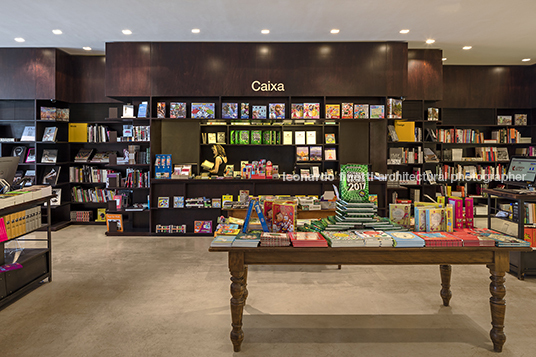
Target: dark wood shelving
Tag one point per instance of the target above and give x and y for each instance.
(128, 188)
(128, 165)
(90, 223)
(87, 183)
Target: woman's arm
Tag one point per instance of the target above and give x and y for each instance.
(216, 167)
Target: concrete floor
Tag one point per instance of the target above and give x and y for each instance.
(170, 297)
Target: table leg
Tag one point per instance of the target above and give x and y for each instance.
(245, 283)
(498, 308)
(239, 294)
(445, 293)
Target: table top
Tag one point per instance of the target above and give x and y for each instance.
(331, 250)
(510, 193)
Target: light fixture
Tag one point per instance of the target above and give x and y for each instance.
(444, 59)
(335, 31)
(404, 31)
(196, 30)
(127, 32)
(87, 48)
(19, 39)
(525, 59)
(430, 41)
(467, 47)
(265, 32)
(57, 32)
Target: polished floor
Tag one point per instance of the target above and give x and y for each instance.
(170, 297)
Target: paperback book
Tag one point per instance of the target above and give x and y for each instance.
(229, 110)
(333, 111)
(377, 112)
(49, 156)
(161, 109)
(330, 154)
(177, 110)
(277, 110)
(361, 111)
(311, 110)
(394, 108)
(347, 111)
(51, 174)
(315, 153)
(244, 111)
(302, 153)
(297, 111)
(259, 112)
(330, 138)
(203, 110)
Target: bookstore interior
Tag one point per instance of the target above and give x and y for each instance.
(280, 159)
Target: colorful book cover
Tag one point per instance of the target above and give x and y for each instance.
(315, 153)
(330, 138)
(229, 110)
(284, 218)
(520, 119)
(449, 219)
(163, 202)
(400, 214)
(434, 219)
(394, 108)
(258, 112)
(347, 111)
(226, 198)
(161, 109)
(277, 110)
(244, 111)
(3, 231)
(373, 198)
(420, 218)
(433, 113)
(178, 201)
(256, 137)
(297, 111)
(469, 212)
(117, 218)
(377, 112)
(203, 110)
(504, 120)
(457, 203)
(330, 154)
(244, 137)
(177, 110)
(361, 111)
(302, 153)
(311, 110)
(203, 227)
(333, 111)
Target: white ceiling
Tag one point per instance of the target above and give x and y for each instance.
(500, 31)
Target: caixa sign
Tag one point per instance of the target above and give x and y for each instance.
(259, 86)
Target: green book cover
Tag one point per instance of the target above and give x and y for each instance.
(232, 138)
(256, 137)
(267, 137)
(244, 137)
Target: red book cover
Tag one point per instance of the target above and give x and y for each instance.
(457, 203)
(3, 232)
(307, 239)
(440, 239)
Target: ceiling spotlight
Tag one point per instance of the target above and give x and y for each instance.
(127, 32)
(335, 31)
(57, 32)
(19, 39)
(525, 59)
(404, 31)
(87, 48)
(430, 41)
(444, 59)
(196, 30)
(467, 47)
(265, 32)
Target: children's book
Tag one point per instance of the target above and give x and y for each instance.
(178, 201)
(163, 202)
(394, 108)
(277, 110)
(161, 109)
(297, 111)
(203, 110)
(520, 119)
(311, 110)
(400, 214)
(202, 226)
(244, 137)
(361, 111)
(244, 111)
(377, 112)
(433, 113)
(315, 153)
(347, 111)
(302, 153)
(256, 137)
(330, 138)
(117, 218)
(259, 112)
(330, 154)
(229, 110)
(333, 111)
(504, 120)
(177, 110)
(284, 218)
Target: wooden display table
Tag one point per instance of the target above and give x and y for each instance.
(323, 213)
(496, 259)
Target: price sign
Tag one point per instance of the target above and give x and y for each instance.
(354, 183)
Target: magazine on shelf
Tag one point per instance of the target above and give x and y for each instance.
(49, 156)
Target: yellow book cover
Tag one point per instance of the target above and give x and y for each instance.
(226, 198)
(441, 199)
(78, 132)
(405, 130)
(7, 220)
(428, 204)
(449, 219)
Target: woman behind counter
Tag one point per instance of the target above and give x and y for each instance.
(220, 159)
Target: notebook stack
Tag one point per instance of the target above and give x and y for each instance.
(343, 239)
(406, 240)
(470, 239)
(502, 240)
(223, 241)
(307, 239)
(249, 240)
(351, 216)
(376, 238)
(440, 239)
(274, 240)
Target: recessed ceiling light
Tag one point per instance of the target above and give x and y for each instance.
(87, 48)
(19, 39)
(127, 32)
(430, 41)
(444, 59)
(467, 47)
(404, 31)
(196, 30)
(335, 31)
(57, 32)
(265, 32)
(525, 59)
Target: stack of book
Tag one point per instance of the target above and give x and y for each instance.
(226, 229)
(343, 239)
(470, 239)
(247, 240)
(223, 241)
(502, 240)
(307, 239)
(440, 239)
(376, 238)
(406, 240)
(274, 240)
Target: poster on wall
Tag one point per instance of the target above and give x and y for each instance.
(354, 186)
